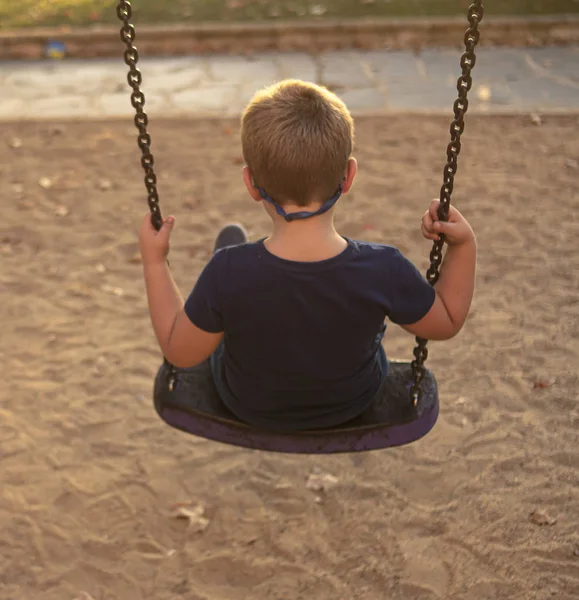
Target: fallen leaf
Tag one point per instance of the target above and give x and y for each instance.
(319, 481)
(105, 185)
(541, 518)
(541, 384)
(45, 183)
(115, 291)
(15, 143)
(193, 514)
(61, 211)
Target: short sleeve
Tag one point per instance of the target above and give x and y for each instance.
(410, 296)
(203, 306)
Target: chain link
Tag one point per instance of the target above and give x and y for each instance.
(134, 79)
(464, 84)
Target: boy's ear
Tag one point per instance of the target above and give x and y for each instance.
(351, 171)
(251, 184)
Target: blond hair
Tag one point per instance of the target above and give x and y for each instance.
(297, 138)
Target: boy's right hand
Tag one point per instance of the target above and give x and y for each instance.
(456, 230)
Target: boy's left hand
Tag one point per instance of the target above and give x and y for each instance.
(153, 244)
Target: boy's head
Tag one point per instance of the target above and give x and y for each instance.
(297, 139)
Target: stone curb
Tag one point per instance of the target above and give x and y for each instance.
(311, 36)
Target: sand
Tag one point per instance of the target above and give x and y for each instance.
(485, 507)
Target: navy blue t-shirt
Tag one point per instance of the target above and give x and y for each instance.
(301, 338)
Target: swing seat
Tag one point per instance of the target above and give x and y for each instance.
(192, 405)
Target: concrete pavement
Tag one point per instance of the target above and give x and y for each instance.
(506, 81)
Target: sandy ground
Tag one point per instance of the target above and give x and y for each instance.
(486, 507)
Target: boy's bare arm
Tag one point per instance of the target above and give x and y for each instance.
(455, 287)
(183, 344)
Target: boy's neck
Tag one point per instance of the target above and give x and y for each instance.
(307, 240)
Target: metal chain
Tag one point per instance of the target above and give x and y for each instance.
(135, 79)
(464, 84)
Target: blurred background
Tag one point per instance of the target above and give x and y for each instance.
(68, 13)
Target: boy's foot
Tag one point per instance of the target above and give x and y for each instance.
(230, 235)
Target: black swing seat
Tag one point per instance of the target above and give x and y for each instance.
(192, 404)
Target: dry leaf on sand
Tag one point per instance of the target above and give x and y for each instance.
(541, 518)
(45, 183)
(319, 481)
(542, 384)
(193, 513)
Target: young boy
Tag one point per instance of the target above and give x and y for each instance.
(293, 323)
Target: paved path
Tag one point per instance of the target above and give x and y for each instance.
(507, 80)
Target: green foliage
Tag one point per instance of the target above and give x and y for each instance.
(34, 13)
(38, 13)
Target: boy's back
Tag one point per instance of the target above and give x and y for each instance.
(293, 323)
(303, 339)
